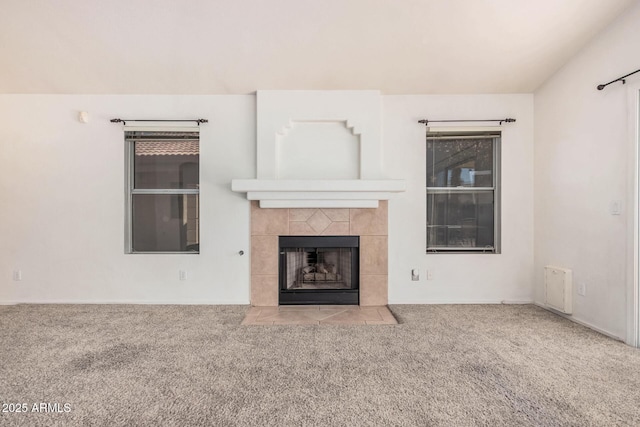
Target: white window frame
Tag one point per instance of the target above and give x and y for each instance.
(130, 191)
(495, 189)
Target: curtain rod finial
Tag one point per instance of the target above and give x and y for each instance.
(619, 79)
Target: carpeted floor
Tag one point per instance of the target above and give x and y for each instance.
(196, 365)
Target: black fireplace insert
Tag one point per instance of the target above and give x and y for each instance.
(319, 270)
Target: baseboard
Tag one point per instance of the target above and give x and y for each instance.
(580, 322)
(130, 302)
(462, 302)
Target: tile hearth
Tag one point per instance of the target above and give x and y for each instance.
(319, 315)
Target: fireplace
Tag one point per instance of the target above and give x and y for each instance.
(298, 190)
(368, 225)
(319, 270)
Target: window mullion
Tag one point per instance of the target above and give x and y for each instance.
(165, 191)
(440, 190)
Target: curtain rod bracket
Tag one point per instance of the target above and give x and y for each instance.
(124, 121)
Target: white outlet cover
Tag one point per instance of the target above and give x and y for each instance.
(615, 207)
(582, 289)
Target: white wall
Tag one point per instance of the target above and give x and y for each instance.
(62, 221)
(62, 216)
(582, 153)
(459, 278)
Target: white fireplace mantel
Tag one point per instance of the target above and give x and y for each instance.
(319, 149)
(355, 193)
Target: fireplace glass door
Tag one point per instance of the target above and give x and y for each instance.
(319, 269)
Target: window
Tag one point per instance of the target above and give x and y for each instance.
(462, 188)
(163, 191)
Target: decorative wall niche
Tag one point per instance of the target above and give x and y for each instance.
(319, 149)
(326, 149)
(358, 112)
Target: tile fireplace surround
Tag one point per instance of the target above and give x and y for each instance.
(268, 224)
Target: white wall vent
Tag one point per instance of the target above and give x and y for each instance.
(558, 286)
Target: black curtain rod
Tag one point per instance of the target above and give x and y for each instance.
(622, 79)
(124, 121)
(426, 122)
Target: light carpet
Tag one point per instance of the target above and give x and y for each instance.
(465, 365)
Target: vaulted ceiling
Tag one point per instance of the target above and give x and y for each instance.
(239, 46)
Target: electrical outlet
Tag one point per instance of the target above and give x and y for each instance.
(415, 274)
(429, 275)
(182, 274)
(582, 289)
(17, 275)
(615, 207)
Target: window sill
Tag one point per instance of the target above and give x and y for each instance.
(476, 251)
(164, 253)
